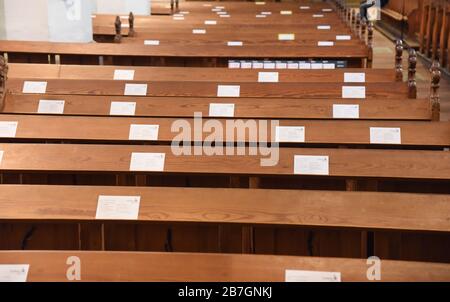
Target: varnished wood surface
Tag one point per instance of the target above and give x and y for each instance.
(361, 210)
(138, 266)
(321, 132)
(402, 164)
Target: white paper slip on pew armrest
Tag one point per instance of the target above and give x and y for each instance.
(178, 18)
(327, 9)
(34, 87)
(142, 161)
(286, 12)
(311, 276)
(8, 129)
(143, 132)
(135, 89)
(14, 272)
(199, 31)
(350, 111)
(280, 65)
(305, 7)
(257, 65)
(220, 7)
(384, 135)
(269, 65)
(222, 13)
(354, 77)
(51, 107)
(304, 65)
(151, 42)
(118, 207)
(268, 77)
(286, 37)
(343, 37)
(316, 65)
(221, 110)
(228, 90)
(234, 65)
(246, 65)
(216, 9)
(261, 16)
(122, 108)
(210, 22)
(266, 13)
(291, 134)
(317, 16)
(1, 156)
(323, 27)
(292, 65)
(224, 16)
(260, 3)
(329, 66)
(235, 43)
(178, 15)
(311, 165)
(121, 74)
(325, 43)
(353, 92)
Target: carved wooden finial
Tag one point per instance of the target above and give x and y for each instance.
(398, 60)
(358, 24)
(3, 78)
(412, 63)
(370, 44)
(131, 22)
(363, 30)
(353, 20)
(118, 27)
(172, 5)
(434, 95)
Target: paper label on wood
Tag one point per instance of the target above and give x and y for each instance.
(144, 132)
(280, 65)
(354, 77)
(14, 272)
(323, 27)
(234, 65)
(286, 12)
(384, 135)
(343, 37)
(8, 129)
(327, 9)
(122, 108)
(151, 42)
(329, 66)
(350, 111)
(316, 65)
(246, 65)
(141, 161)
(304, 66)
(121, 74)
(135, 89)
(286, 37)
(210, 22)
(257, 65)
(222, 13)
(1, 156)
(261, 16)
(235, 43)
(317, 16)
(353, 92)
(311, 165)
(34, 87)
(269, 65)
(178, 18)
(118, 207)
(228, 90)
(260, 3)
(268, 77)
(199, 31)
(221, 110)
(51, 107)
(290, 134)
(311, 276)
(224, 16)
(266, 13)
(292, 65)
(304, 7)
(325, 43)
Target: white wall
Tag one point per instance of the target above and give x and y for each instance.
(123, 7)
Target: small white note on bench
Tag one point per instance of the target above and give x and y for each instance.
(305, 7)
(8, 129)
(268, 77)
(346, 111)
(118, 207)
(51, 107)
(327, 9)
(285, 134)
(221, 110)
(266, 13)
(1, 156)
(311, 165)
(343, 37)
(235, 43)
(317, 16)
(354, 77)
(325, 43)
(261, 16)
(141, 161)
(14, 272)
(144, 132)
(121, 74)
(151, 42)
(34, 87)
(199, 31)
(178, 18)
(135, 89)
(353, 92)
(286, 12)
(311, 276)
(383, 135)
(122, 108)
(323, 27)
(210, 22)
(228, 90)
(286, 37)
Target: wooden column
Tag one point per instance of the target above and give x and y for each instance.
(412, 63)
(398, 61)
(370, 44)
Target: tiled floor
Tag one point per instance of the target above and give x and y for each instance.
(384, 57)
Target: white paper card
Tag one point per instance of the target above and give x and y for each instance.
(228, 90)
(353, 92)
(178, 15)
(311, 165)
(235, 43)
(51, 107)
(268, 77)
(122, 108)
(234, 65)
(327, 9)
(141, 161)
(304, 66)
(286, 12)
(118, 207)
(216, 9)
(316, 65)
(323, 27)
(222, 13)
(329, 66)
(325, 43)
(224, 16)
(260, 3)
(305, 7)
(151, 42)
(221, 110)
(285, 134)
(280, 65)
(261, 16)
(384, 135)
(34, 87)
(210, 22)
(178, 18)
(354, 77)
(144, 132)
(292, 65)
(286, 37)
(269, 65)
(257, 65)
(343, 37)
(199, 31)
(8, 129)
(1, 156)
(266, 13)
(14, 272)
(127, 75)
(246, 65)
(311, 276)
(135, 89)
(317, 16)
(345, 111)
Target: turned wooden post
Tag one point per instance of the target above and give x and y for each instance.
(3, 78)
(370, 44)
(412, 63)
(176, 4)
(434, 95)
(349, 16)
(363, 30)
(353, 20)
(118, 27)
(131, 22)
(358, 24)
(398, 60)
(171, 5)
